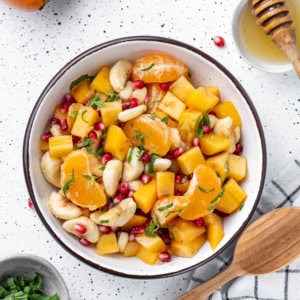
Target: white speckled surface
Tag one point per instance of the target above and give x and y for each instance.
(33, 46)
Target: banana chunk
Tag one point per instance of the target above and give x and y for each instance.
(119, 74)
(82, 227)
(63, 208)
(51, 169)
(120, 214)
(111, 176)
(133, 167)
(131, 113)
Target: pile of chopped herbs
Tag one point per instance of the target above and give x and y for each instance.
(24, 288)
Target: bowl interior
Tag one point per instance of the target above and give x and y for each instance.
(205, 71)
(27, 265)
(250, 57)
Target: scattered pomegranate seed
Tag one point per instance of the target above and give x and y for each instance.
(138, 229)
(124, 188)
(106, 158)
(134, 102)
(166, 238)
(164, 256)
(118, 198)
(125, 105)
(54, 121)
(45, 137)
(195, 142)
(63, 124)
(99, 126)
(219, 41)
(169, 156)
(76, 139)
(104, 229)
(179, 178)
(138, 84)
(30, 203)
(115, 229)
(84, 242)
(206, 129)
(145, 178)
(199, 222)
(93, 135)
(238, 148)
(147, 99)
(146, 157)
(177, 193)
(81, 229)
(131, 237)
(164, 86)
(177, 152)
(130, 194)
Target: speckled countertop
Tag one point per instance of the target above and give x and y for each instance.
(33, 46)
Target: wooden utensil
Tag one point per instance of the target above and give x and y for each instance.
(267, 245)
(274, 16)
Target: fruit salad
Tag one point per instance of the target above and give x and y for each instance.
(143, 162)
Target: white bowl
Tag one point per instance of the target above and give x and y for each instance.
(28, 265)
(205, 70)
(251, 57)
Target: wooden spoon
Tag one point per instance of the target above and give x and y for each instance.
(267, 245)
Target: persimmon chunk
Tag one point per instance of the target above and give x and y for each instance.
(150, 132)
(158, 68)
(79, 184)
(204, 193)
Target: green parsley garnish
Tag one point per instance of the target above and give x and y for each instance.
(176, 211)
(148, 68)
(86, 142)
(24, 288)
(82, 116)
(201, 121)
(92, 178)
(162, 208)
(97, 102)
(112, 97)
(151, 229)
(78, 80)
(69, 182)
(104, 221)
(165, 120)
(154, 156)
(130, 154)
(204, 190)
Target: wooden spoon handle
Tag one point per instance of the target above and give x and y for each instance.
(293, 54)
(205, 289)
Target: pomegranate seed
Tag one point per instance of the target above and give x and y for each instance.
(99, 126)
(238, 148)
(166, 238)
(138, 84)
(115, 229)
(30, 203)
(106, 158)
(169, 156)
(199, 222)
(104, 229)
(118, 198)
(177, 193)
(219, 41)
(138, 229)
(179, 178)
(125, 105)
(177, 152)
(130, 194)
(146, 157)
(134, 102)
(93, 135)
(54, 121)
(145, 178)
(63, 124)
(164, 256)
(76, 139)
(206, 129)
(164, 86)
(64, 107)
(195, 142)
(68, 98)
(131, 237)
(161, 231)
(124, 188)
(45, 137)
(147, 99)
(84, 242)
(81, 229)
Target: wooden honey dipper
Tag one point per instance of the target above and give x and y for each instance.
(276, 20)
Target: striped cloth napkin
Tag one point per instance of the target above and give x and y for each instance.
(284, 190)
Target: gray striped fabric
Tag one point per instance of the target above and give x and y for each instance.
(284, 190)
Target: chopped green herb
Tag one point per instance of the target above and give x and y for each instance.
(139, 135)
(154, 156)
(78, 80)
(86, 142)
(74, 114)
(96, 102)
(92, 178)
(242, 206)
(176, 211)
(217, 197)
(112, 97)
(24, 288)
(104, 221)
(165, 120)
(99, 152)
(148, 68)
(201, 121)
(204, 190)
(151, 229)
(69, 182)
(82, 116)
(213, 207)
(130, 154)
(162, 208)
(152, 116)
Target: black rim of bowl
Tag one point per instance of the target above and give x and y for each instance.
(26, 160)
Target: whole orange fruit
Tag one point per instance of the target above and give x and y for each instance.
(26, 5)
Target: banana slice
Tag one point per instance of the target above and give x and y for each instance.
(224, 126)
(112, 175)
(133, 167)
(119, 214)
(131, 113)
(82, 227)
(63, 208)
(119, 74)
(123, 238)
(51, 169)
